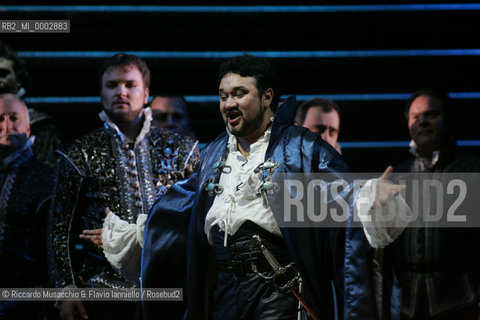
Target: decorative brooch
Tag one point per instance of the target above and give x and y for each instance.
(270, 165)
(212, 187)
(218, 165)
(267, 186)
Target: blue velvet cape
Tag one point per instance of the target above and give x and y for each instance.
(333, 262)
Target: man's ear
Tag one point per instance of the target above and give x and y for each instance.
(28, 129)
(147, 92)
(267, 98)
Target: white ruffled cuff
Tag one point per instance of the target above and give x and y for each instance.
(122, 244)
(384, 224)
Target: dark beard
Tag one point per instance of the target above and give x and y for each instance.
(249, 126)
(118, 117)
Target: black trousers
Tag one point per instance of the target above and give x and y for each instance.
(248, 296)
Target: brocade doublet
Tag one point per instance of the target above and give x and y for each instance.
(101, 170)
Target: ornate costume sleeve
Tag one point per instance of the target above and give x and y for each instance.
(67, 191)
(185, 158)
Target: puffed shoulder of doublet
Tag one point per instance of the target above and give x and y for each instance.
(92, 140)
(178, 145)
(77, 152)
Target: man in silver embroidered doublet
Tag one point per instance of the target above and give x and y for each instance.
(124, 166)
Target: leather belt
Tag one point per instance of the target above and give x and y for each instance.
(241, 268)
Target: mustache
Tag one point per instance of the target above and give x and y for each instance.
(121, 101)
(232, 111)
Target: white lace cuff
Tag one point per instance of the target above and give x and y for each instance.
(381, 225)
(122, 244)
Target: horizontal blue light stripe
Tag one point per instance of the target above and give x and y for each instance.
(373, 144)
(53, 100)
(247, 9)
(464, 95)
(468, 143)
(358, 97)
(396, 144)
(196, 99)
(264, 54)
(202, 98)
(385, 144)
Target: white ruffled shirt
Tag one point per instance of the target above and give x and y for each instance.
(147, 122)
(238, 202)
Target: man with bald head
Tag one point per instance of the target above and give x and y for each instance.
(15, 79)
(15, 122)
(22, 204)
(436, 270)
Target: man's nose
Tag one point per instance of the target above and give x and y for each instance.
(230, 103)
(121, 90)
(328, 139)
(422, 120)
(7, 125)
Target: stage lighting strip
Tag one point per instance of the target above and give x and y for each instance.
(247, 9)
(337, 97)
(264, 54)
(208, 99)
(385, 144)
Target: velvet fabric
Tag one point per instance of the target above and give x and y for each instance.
(333, 262)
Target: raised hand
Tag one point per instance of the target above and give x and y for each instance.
(385, 189)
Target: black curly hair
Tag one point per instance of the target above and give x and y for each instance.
(250, 66)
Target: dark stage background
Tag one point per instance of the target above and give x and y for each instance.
(367, 56)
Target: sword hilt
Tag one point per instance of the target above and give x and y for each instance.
(272, 261)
